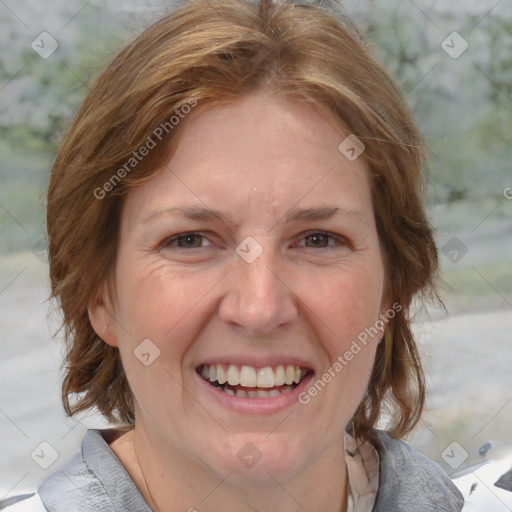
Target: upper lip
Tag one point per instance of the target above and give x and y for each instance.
(257, 361)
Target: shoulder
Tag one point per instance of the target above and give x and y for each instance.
(411, 482)
(25, 503)
(94, 479)
(73, 486)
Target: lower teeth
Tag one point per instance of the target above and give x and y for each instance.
(260, 393)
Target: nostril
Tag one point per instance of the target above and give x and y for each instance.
(257, 303)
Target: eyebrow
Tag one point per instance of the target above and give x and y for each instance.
(305, 214)
(191, 212)
(322, 213)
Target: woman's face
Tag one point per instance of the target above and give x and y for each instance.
(252, 254)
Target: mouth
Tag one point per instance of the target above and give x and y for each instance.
(251, 382)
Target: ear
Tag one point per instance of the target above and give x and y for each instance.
(101, 317)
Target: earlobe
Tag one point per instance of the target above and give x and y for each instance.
(102, 322)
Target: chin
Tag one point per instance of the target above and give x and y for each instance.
(257, 458)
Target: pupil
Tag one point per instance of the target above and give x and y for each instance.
(318, 240)
(190, 241)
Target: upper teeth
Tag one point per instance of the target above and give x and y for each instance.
(247, 376)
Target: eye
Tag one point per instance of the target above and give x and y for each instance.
(320, 240)
(187, 241)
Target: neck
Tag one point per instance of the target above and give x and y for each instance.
(171, 482)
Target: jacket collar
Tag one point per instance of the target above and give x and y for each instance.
(95, 479)
(410, 482)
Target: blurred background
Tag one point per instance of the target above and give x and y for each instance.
(454, 63)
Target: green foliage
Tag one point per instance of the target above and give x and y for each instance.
(38, 98)
(463, 106)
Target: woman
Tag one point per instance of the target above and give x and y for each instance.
(235, 237)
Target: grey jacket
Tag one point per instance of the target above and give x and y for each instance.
(94, 480)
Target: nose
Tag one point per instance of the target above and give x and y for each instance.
(257, 299)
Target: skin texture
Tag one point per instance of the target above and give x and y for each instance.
(256, 159)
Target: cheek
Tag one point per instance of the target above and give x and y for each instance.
(160, 304)
(344, 307)
(169, 309)
(345, 303)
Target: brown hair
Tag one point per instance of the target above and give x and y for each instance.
(203, 52)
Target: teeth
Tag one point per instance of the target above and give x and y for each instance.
(233, 375)
(290, 372)
(266, 378)
(241, 393)
(279, 377)
(221, 376)
(249, 377)
(258, 393)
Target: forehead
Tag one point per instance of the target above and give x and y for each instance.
(263, 150)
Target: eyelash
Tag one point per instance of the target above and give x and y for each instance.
(330, 237)
(337, 239)
(169, 241)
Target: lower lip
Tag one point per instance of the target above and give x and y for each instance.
(256, 405)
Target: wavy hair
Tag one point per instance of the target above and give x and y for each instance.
(207, 52)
